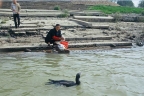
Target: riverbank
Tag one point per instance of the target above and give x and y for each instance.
(81, 31)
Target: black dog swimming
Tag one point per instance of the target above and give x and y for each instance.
(65, 82)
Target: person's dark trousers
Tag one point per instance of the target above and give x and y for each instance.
(16, 20)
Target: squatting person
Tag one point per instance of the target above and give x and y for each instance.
(54, 35)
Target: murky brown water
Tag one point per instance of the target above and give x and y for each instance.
(109, 73)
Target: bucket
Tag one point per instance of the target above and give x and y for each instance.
(65, 43)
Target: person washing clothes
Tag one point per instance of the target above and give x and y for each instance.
(15, 7)
(55, 37)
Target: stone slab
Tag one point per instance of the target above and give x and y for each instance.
(9, 14)
(6, 14)
(31, 32)
(29, 22)
(95, 18)
(76, 45)
(5, 10)
(97, 44)
(100, 26)
(81, 22)
(33, 14)
(43, 14)
(45, 28)
(39, 10)
(21, 26)
(28, 25)
(86, 13)
(87, 38)
(22, 32)
(23, 29)
(71, 26)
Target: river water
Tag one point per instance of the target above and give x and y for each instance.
(118, 72)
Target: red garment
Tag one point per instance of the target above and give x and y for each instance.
(56, 38)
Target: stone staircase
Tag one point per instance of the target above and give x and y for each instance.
(74, 29)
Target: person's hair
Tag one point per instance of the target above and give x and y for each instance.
(57, 24)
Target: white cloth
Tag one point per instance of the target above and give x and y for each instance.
(61, 47)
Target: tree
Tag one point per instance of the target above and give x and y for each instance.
(125, 3)
(141, 4)
(113, 1)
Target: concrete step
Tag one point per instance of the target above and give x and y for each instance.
(86, 38)
(5, 10)
(81, 22)
(85, 13)
(95, 44)
(89, 24)
(31, 32)
(90, 38)
(95, 18)
(20, 33)
(40, 10)
(100, 26)
(94, 26)
(21, 26)
(31, 29)
(9, 14)
(30, 10)
(76, 45)
(23, 29)
(68, 26)
(43, 14)
(46, 28)
(33, 14)
(29, 22)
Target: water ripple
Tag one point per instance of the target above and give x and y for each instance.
(116, 72)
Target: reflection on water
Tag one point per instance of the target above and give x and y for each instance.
(107, 73)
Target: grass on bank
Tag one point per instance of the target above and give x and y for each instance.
(116, 9)
(56, 7)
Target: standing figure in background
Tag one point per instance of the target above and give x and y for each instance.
(15, 7)
(0, 3)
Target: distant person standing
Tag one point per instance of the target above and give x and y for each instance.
(15, 7)
(0, 3)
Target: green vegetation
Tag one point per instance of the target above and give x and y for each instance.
(57, 7)
(66, 11)
(115, 9)
(64, 14)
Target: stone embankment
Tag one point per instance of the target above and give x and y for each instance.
(82, 32)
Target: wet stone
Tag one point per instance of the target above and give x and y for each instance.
(27, 50)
